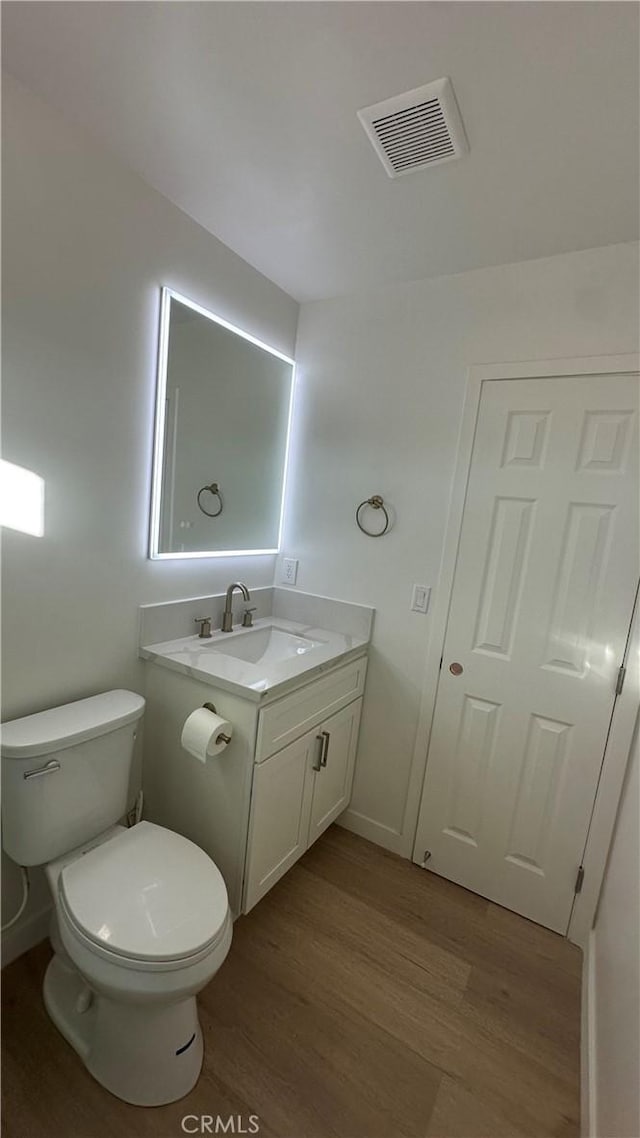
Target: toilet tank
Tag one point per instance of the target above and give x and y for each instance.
(65, 774)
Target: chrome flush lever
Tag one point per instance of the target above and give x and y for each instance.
(48, 768)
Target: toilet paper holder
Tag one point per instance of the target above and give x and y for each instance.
(221, 737)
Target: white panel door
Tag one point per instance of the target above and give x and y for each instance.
(543, 591)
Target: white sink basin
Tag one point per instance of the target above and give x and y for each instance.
(251, 662)
(266, 646)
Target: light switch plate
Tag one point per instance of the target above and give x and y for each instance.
(420, 598)
(289, 570)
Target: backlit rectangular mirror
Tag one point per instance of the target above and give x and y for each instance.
(223, 418)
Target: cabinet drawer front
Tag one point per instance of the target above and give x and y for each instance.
(289, 717)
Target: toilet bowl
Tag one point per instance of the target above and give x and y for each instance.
(141, 917)
(142, 923)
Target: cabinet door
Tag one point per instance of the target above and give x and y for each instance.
(279, 820)
(332, 783)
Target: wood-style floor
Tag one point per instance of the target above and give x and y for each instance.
(362, 998)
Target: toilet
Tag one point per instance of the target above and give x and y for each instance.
(141, 918)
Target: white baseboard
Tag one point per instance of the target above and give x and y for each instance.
(588, 1058)
(25, 935)
(373, 831)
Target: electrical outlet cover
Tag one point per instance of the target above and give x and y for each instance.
(289, 570)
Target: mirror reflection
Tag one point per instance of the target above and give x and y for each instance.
(222, 424)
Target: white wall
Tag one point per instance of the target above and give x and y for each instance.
(381, 380)
(86, 247)
(614, 969)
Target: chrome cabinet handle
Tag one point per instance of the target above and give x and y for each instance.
(325, 749)
(48, 768)
(317, 762)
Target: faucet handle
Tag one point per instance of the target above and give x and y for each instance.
(247, 619)
(205, 626)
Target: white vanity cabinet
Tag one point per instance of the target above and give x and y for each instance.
(285, 776)
(297, 792)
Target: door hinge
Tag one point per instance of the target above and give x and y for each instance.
(441, 659)
(622, 671)
(579, 879)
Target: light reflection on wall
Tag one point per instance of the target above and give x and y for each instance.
(21, 499)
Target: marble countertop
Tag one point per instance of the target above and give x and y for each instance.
(317, 651)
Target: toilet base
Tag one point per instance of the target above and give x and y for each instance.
(145, 1054)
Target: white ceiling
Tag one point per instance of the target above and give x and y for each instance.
(244, 115)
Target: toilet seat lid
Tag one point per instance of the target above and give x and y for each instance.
(147, 894)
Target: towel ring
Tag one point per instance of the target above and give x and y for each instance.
(377, 503)
(212, 489)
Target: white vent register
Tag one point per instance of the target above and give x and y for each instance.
(421, 128)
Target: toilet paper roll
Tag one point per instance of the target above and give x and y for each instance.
(205, 734)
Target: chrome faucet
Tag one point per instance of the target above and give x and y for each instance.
(227, 618)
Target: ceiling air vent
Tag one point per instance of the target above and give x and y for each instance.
(420, 128)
